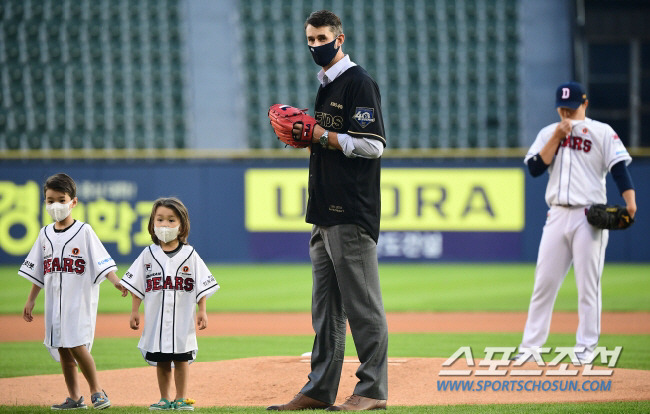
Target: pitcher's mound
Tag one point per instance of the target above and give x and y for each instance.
(273, 380)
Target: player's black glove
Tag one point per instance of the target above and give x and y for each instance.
(609, 217)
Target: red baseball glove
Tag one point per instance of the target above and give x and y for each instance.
(283, 118)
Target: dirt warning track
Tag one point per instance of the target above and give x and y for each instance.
(14, 328)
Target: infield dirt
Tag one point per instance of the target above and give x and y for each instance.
(271, 380)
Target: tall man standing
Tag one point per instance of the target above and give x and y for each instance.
(344, 208)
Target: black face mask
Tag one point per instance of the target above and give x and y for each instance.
(324, 54)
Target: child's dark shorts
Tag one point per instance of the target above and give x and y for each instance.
(164, 357)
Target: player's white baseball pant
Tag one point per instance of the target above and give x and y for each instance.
(567, 237)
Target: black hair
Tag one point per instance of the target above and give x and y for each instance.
(322, 18)
(61, 182)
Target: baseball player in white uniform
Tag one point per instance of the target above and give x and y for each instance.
(577, 152)
(172, 279)
(70, 262)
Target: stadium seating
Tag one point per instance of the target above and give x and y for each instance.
(447, 69)
(91, 74)
(103, 74)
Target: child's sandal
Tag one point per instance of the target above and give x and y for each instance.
(163, 404)
(184, 404)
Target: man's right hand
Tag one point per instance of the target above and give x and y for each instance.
(562, 129)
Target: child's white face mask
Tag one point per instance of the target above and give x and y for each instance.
(58, 211)
(166, 234)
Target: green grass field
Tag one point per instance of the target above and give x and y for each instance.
(31, 358)
(412, 287)
(421, 287)
(593, 408)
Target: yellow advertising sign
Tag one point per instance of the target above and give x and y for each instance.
(21, 206)
(412, 199)
(276, 199)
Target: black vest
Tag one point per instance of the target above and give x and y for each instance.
(346, 190)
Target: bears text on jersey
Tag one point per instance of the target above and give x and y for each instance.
(65, 265)
(329, 121)
(169, 283)
(575, 143)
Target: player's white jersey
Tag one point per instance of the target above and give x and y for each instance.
(170, 288)
(70, 265)
(578, 170)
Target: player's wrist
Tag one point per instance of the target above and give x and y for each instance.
(318, 131)
(558, 136)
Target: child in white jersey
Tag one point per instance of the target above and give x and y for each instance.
(172, 279)
(70, 262)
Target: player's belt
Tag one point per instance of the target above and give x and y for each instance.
(568, 205)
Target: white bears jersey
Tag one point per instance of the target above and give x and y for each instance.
(70, 265)
(170, 288)
(578, 170)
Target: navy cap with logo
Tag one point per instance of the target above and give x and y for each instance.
(570, 95)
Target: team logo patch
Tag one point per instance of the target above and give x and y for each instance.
(364, 116)
(75, 251)
(585, 130)
(186, 269)
(147, 266)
